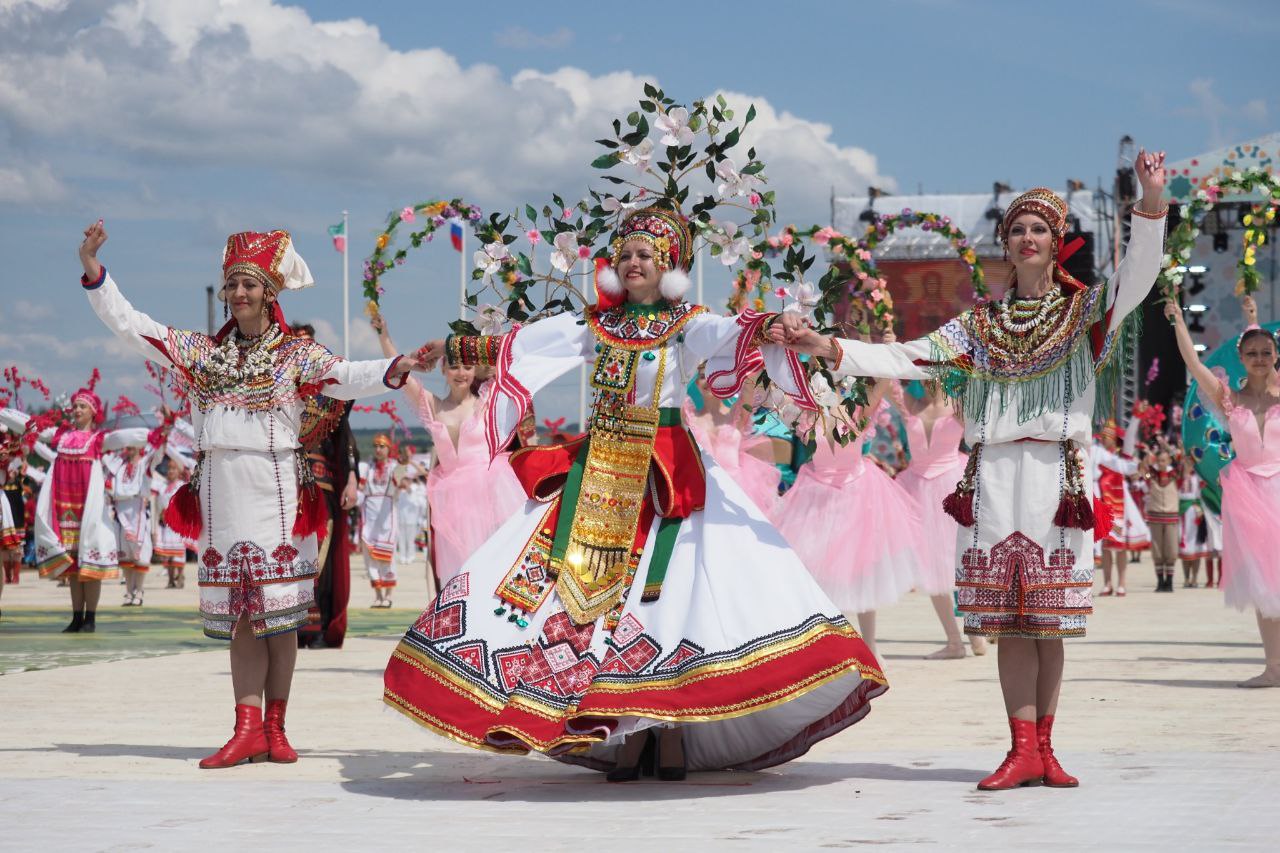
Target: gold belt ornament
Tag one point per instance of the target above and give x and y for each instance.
(597, 562)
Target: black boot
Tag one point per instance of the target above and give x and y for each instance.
(90, 625)
(77, 622)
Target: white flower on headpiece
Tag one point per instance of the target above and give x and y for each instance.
(733, 183)
(614, 205)
(805, 300)
(675, 127)
(566, 253)
(639, 156)
(490, 258)
(732, 245)
(823, 394)
(490, 319)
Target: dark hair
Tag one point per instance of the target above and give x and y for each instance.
(306, 328)
(1254, 333)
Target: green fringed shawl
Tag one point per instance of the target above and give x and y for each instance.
(1045, 381)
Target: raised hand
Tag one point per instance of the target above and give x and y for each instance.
(94, 236)
(1250, 310)
(1151, 175)
(1173, 311)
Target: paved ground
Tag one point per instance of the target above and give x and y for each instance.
(103, 733)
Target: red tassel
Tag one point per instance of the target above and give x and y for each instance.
(1103, 518)
(313, 513)
(183, 513)
(1074, 511)
(959, 505)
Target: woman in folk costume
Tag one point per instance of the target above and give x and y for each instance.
(75, 535)
(1250, 482)
(854, 528)
(250, 503)
(1113, 463)
(1193, 522)
(378, 490)
(170, 546)
(639, 589)
(934, 431)
(13, 517)
(469, 494)
(411, 504)
(723, 429)
(1024, 367)
(130, 492)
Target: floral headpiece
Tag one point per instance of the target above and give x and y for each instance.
(270, 258)
(672, 241)
(1042, 202)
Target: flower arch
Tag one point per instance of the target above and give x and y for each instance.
(430, 216)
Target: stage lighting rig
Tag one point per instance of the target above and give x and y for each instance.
(1196, 271)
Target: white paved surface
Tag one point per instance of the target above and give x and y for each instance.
(1171, 754)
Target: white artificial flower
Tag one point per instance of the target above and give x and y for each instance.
(566, 253)
(614, 205)
(732, 183)
(639, 156)
(490, 258)
(732, 245)
(805, 300)
(674, 125)
(491, 318)
(823, 394)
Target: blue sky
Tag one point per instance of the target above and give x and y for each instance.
(182, 122)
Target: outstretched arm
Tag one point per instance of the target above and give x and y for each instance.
(1210, 387)
(1140, 266)
(422, 400)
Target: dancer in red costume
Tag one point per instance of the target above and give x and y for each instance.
(1024, 367)
(251, 501)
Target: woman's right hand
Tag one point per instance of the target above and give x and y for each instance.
(430, 353)
(1250, 310)
(94, 236)
(379, 325)
(1173, 311)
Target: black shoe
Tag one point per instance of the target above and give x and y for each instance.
(672, 774)
(90, 623)
(77, 623)
(644, 764)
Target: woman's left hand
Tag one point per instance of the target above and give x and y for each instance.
(1151, 175)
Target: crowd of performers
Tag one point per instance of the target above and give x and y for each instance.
(640, 598)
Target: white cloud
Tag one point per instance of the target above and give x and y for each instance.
(31, 311)
(33, 184)
(200, 81)
(1220, 116)
(520, 38)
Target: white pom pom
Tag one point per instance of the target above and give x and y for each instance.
(674, 284)
(607, 282)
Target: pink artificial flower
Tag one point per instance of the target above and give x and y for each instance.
(864, 255)
(781, 292)
(751, 278)
(407, 215)
(876, 295)
(787, 239)
(534, 236)
(826, 235)
(755, 256)
(567, 213)
(773, 242)
(862, 276)
(584, 252)
(754, 199)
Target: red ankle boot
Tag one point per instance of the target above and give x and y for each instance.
(273, 727)
(247, 742)
(1054, 775)
(1022, 765)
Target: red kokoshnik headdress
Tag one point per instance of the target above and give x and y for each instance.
(95, 402)
(270, 258)
(1052, 208)
(668, 233)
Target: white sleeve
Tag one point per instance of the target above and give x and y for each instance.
(118, 439)
(1137, 270)
(883, 361)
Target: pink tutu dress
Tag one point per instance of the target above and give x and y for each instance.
(854, 528)
(732, 451)
(469, 498)
(936, 467)
(1250, 510)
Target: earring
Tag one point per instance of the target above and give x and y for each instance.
(226, 311)
(1006, 249)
